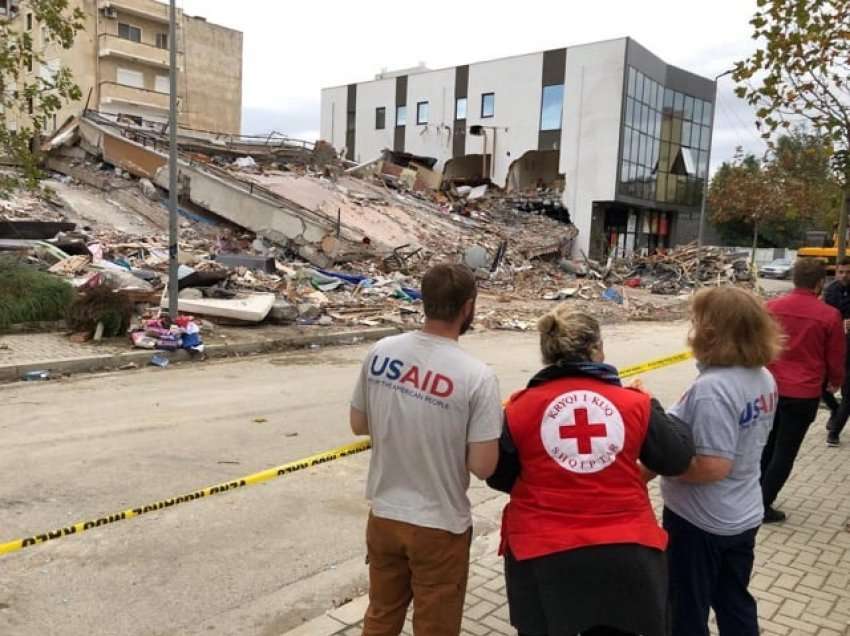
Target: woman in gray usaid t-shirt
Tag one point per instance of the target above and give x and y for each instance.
(712, 512)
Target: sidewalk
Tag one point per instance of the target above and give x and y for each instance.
(54, 351)
(801, 578)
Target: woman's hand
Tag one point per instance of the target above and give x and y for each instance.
(638, 385)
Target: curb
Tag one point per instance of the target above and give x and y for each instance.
(111, 362)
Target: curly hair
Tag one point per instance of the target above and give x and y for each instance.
(567, 335)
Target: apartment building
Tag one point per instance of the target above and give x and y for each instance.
(628, 133)
(121, 63)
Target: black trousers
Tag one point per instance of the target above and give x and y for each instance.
(839, 417)
(792, 421)
(709, 570)
(596, 631)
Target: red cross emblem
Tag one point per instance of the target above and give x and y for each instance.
(583, 431)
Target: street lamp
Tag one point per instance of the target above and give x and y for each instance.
(708, 164)
(172, 167)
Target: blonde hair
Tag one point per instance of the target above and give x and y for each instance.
(567, 335)
(731, 327)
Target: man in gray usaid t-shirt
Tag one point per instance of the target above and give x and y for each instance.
(730, 413)
(434, 415)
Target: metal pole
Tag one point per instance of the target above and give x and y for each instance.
(706, 180)
(172, 166)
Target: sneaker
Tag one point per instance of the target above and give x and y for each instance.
(832, 440)
(772, 515)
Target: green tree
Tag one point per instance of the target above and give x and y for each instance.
(800, 72)
(747, 193)
(35, 96)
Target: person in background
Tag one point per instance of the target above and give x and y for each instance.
(583, 551)
(713, 511)
(813, 355)
(434, 414)
(838, 295)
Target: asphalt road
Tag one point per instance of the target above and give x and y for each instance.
(253, 562)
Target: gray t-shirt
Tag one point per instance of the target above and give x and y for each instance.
(730, 413)
(425, 399)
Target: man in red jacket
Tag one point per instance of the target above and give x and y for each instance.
(813, 355)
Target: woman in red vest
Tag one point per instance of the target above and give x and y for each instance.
(584, 553)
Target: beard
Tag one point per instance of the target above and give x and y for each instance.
(467, 324)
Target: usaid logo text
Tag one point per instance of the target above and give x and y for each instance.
(763, 405)
(427, 381)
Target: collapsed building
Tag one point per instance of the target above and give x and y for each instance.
(620, 135)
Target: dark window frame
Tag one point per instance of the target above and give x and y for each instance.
(543, 104)
(381, 118)
(419, 106)
(29, 21)
(484, 97)
(129, 36)
(465, 101)
(404, 123)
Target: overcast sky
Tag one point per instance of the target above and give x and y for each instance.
(293, 49)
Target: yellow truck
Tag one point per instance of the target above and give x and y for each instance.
(820, 245)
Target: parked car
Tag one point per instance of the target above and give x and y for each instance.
(780, 268)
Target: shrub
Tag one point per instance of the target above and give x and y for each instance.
(28, 295)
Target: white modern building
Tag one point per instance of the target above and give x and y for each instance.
(628, 134)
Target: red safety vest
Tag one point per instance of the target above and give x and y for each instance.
(578, 441)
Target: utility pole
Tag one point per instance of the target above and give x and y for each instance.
(706, 180)
(172, 166)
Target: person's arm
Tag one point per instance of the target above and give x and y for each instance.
(484, 428)
(508, 467)
(836, 344)
(482, 457)
(668, 446)
(357, 417)
(705, 469)
(359, 422)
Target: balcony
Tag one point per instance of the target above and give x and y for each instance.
(149, 9)
(111, 92)
(114, 46)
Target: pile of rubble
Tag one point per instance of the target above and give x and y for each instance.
(290, 233)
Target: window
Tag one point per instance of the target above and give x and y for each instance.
(162, 40)
(29, 105)
(162, 84)
(460, 108)
(29, 21)
(29, 63)
(552, 107)
(488, 105)
(49, 70)
(422, 113)
(129, 32)
(132, 78)
(380, 118)
(401, 115)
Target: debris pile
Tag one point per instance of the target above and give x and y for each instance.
(289, 233)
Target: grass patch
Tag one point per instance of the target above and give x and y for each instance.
(28, 295)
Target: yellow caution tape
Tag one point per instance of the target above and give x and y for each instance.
(250, 480)
(658, 363)
(260, 477)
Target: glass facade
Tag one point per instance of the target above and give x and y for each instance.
(666, 136)
(551, 107)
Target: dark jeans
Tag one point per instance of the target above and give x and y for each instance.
(709, 570)
(792, 421)
(596, 631)
(839, 417)
(830, 400)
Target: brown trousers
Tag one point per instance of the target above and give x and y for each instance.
(408, 562)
